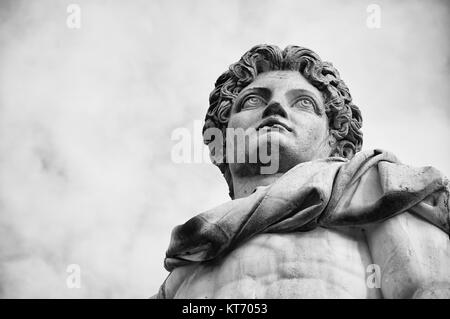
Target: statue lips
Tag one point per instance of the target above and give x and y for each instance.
(273, 122)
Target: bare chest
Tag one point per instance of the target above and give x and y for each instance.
(321, 263)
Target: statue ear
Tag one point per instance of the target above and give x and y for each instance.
(213, 137)
(332, 143)
(216, 152)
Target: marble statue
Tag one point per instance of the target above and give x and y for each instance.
(333, 221)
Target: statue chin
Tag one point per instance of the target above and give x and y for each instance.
(273, 166)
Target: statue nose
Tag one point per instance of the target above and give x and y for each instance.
(275, 108)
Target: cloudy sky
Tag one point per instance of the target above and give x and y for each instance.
(87, 115)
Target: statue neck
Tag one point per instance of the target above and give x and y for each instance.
(245, 185)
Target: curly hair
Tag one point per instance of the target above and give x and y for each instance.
(344, 118)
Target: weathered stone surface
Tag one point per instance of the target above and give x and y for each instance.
(317, 264)
(331, 222)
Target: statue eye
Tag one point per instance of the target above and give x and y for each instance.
(305, 103)
(253, 101)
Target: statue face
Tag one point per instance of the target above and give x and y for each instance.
(290, 110)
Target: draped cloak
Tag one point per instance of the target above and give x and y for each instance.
(329, 193)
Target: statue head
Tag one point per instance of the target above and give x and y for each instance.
(294, 91)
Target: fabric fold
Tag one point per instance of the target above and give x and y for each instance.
(332, 192)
